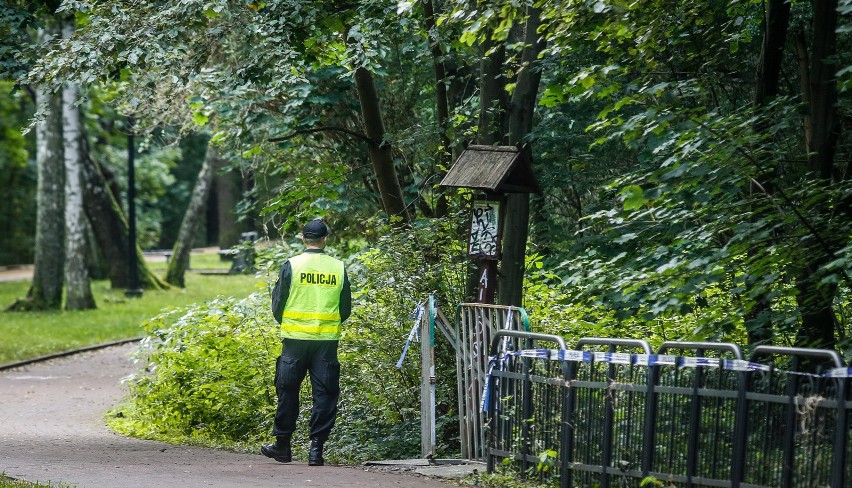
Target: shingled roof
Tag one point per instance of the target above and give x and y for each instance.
(504, 169)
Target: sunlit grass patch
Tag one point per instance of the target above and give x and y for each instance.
(6, 482)
(32, 334)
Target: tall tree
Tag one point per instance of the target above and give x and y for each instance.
(78, 290)
(110, 227)
(227, 191)
(442, 97)
(193, 216)
(19, 18)
(48, 274)
(505, 119)
(379, 150)
(673, 85)
(522, 109)
(815, 294)
(776, 23)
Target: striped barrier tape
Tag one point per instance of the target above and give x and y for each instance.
(662, 360)
(413, 335)
(840, 373)
(642, 360)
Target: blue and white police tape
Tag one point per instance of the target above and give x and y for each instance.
(840, 373)
(661, 360)
(413, 335)
(486, 389)
(641, 360)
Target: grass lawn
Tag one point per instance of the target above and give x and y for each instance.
(31, 334)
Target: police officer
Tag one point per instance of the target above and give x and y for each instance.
(311, 299)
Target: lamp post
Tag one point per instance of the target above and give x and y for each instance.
(133, 288)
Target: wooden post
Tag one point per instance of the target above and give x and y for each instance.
(487, 273)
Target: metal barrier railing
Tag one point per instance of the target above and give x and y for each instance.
(523, 378)
(476, 325)
(469, 336)
(694, 414)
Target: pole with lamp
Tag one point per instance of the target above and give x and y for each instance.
(133, 288)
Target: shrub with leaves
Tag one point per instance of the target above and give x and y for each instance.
(206, 375)
(380, 411)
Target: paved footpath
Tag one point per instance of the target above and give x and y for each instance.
(52, 429)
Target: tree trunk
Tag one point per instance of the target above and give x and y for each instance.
(189, 226)
(78, 291)
(823, 90)
(111, 228)
(816, 299)
(492, 130)
(442, 101)
(226, 185)
(805, 83)
(512, 265)
(48, 274)
(816, 305)
(492, 97)
(380, 152)
(777, 20)
(772, 51)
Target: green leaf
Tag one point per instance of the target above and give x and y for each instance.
(200, 119)
(634, 197)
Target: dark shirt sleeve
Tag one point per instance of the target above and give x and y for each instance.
(281, 291)
(345, 298)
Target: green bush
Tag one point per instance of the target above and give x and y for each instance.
(206, 375)
(380, 413)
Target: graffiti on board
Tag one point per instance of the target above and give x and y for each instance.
(484, 227)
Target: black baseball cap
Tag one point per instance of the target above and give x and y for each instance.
(315, 229)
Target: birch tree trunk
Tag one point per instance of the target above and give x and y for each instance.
(194, 213)
(78, 291)
(46, 289)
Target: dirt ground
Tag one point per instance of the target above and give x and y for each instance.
(52, 430)
(16, 273)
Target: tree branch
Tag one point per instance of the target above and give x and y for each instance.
(327, 128)
(785, 198)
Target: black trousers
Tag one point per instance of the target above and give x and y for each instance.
(298, 357)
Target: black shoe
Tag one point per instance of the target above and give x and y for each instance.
(282, 454)
(315, 455)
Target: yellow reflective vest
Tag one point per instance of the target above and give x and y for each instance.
(312, 311)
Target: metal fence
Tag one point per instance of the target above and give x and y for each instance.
(476, 326)
(469, 335)
(609, 412)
